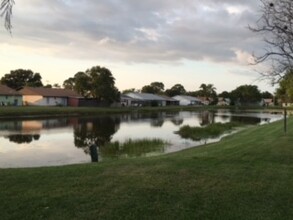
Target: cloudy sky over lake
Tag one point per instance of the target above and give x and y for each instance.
(173, 41)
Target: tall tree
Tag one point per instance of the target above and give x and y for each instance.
(207, 90)
(96, 82)
(246, 94)
(276, 27)
(177, 89)
(6, 12)
(285, 90)
(154, 88)
(20, 78)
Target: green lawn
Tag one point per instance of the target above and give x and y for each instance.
(248, 175)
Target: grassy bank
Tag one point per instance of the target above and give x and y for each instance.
(246, 176)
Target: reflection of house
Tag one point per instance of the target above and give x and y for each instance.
(40, 96)
(9, 96)
(223, 101)
(146, 99)
(187, 100)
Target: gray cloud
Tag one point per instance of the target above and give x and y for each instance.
(138, 31)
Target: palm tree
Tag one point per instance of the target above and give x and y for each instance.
(6, 12)
(208, 90)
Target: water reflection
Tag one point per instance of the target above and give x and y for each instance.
(94, 131)
(55, 141)
(22, 138)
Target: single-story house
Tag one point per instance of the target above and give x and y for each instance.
(187, 100)
(267, 102)
(223, 101)
(40, 96)
(9, 96)
(146, 99)
(169, 100)
(205, 100)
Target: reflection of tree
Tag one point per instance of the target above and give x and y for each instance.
(96, 131)
(177, 121)
(245, 120)
(157, 122)
(207, 118)
(20, 139)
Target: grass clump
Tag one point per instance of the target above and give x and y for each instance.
(209, 131)
(132, 148)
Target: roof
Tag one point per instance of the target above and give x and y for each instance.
(5, 90)
(186, 97)
(49, 92)
(145, 96)
(169, 99)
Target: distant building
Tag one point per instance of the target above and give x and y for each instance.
(9, 96)
(185, 100)
(223, 101)
(40, 96)
(267, 102)
(146, 99)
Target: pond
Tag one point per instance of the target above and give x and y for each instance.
(34, 142)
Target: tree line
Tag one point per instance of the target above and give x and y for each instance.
(98, 83)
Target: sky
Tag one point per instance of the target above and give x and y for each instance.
(189, 42)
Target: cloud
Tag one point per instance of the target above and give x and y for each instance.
(137, 31)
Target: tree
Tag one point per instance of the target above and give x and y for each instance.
(129, 90)
(17, 79)
(285, 90)
(225, 95)
(6, 12)
(96, 82)
(267, 95)
(177, 89)
(276, 27)
(246, 94)
(208, 90)
(154, 88)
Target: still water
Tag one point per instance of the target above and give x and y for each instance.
(58, 141)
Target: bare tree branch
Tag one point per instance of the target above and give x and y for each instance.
(276, 27)
(6, 12)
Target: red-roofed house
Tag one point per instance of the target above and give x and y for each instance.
(40, 96)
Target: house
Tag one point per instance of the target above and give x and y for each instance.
(146, 99)
(205, 100)
(223, 101)
(267, 102)
(9, 96)
(169, 100)
(187, 100)
(40, 96)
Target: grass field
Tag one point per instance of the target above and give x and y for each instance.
(248, 175)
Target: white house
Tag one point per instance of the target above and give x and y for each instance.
(187, 100)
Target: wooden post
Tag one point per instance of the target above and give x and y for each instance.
(285, 120)
(94, 153)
